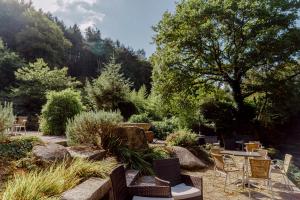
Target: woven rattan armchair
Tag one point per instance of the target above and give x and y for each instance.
(182, 186)
(161, 190)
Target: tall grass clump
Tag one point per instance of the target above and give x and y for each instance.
(90, 128)
(52, 182)
(182, 138)
(6, 117)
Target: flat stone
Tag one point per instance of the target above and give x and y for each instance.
(91, 189)
(86, 153)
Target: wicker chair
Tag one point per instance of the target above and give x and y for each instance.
(283, 170)
(251, 147)
(120, 190)
(20, 123)
(263, 153)
(182, 186)
(260, 169)
(222, 168)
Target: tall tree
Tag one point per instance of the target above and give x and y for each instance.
(224, 41)
(110, 88)
(9, 63)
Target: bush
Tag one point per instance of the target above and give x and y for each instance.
(140, 118)
(6, 117)
(182, 138)
(17, 148)
(52, 182)
(60, 107)
(90, 127)
(163, 128)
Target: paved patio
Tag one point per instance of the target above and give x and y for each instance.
(216, 191)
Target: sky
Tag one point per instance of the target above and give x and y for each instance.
(128, 21)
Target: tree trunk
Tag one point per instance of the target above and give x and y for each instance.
(239, 100)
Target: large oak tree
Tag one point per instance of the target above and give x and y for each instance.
(226, 43)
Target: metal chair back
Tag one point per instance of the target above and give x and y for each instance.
(260, 168)
(250, 147)
(287, 162)
(219, 161)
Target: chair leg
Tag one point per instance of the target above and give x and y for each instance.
(288, 183)
(225, 182)
(249, 191)
(271, 187)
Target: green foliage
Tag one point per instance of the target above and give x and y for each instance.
(52, 182)
(91, 128)
(139, 160)
(225, 43)
(110, 88)
(163, 128)
(182, 138)
(220, 113)
(140, 118)
(9, 63)
(17, 148)
(7, 117)
(60, 107)
(34, 81)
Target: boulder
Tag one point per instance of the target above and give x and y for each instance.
(145, 126)
(50, 152)
(86, 152)
(187, 160)
(132, 136)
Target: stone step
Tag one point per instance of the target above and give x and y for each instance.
(91, 189)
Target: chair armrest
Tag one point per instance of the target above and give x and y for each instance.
(150, 191)
(160, 182)
(194, 181)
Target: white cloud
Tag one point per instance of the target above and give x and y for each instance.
(81, 12)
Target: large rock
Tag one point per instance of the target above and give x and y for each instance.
(51, 152)
(86, 152)
(145, 126)
(132, 136)
(91, 189)
(187, 159)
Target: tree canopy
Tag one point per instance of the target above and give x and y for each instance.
(226, 43)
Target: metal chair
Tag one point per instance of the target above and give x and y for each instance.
(182, 186)
(120, 190)
(20, 123)
(283, 170)
(251, 147)
(260, 169)
(221, 168)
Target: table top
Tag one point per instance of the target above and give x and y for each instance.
(241, 153)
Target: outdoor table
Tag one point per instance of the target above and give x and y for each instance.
(246, 156)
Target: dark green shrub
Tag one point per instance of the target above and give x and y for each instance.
(182, 138)
(60, 107)
(90, 127)
(163, 128)
(222, 114)
(140, 118)
(17, 148)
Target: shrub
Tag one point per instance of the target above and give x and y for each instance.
(52, 182)
(182, 138)
(90, 127)
(60, 107)
(163, 128)
(140, 118)
(17, 148)
(6, 117)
